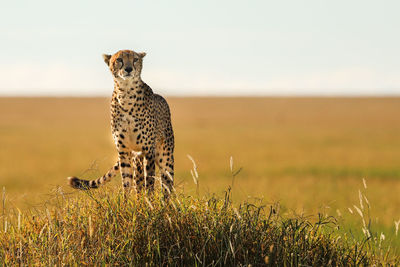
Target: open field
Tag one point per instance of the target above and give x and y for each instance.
(308, 153)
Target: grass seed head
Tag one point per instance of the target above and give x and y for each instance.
(364, 183)
(396, 225)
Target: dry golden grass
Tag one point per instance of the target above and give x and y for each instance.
(103, 228)
(308, 153)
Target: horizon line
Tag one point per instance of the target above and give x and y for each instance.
(279, 92)
(215, 96)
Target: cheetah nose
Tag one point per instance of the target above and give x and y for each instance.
(128, 69)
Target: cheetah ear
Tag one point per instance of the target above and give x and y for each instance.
(107, 59)
(142, 54)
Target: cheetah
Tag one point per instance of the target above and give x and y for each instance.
(141, 128)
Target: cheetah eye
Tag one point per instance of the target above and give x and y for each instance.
(120, 61)
(135, 59)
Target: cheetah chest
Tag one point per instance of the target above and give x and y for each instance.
(130, 131)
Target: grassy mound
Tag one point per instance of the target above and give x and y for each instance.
(101, 227)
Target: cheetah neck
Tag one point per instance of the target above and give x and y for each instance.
(128, 92)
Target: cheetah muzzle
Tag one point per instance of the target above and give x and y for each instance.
(141, 128)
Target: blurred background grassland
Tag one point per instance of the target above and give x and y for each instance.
(310, 154)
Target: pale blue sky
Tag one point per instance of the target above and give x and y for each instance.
(203, 47)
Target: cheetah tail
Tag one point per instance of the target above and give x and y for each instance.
(77, 183)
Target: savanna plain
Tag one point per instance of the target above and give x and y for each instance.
(311, 155)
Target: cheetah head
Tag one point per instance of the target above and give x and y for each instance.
(125, 64)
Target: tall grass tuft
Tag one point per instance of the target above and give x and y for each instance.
(104, 228)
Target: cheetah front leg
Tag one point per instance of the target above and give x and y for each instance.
(126, 170)
(144, 171)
